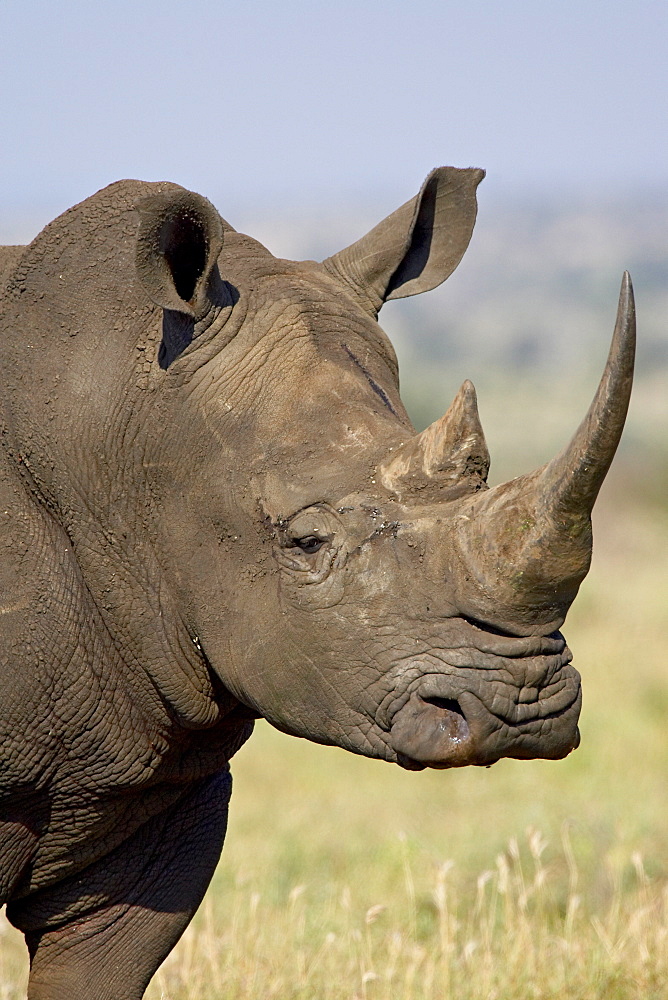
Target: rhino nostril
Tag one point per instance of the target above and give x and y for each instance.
(449, 704)
(433, 730)
(453, 721)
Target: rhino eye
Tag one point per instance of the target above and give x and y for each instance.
(309, 543)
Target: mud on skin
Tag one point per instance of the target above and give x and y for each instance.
(214, 508)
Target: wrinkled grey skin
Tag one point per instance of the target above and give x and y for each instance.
(205, 519)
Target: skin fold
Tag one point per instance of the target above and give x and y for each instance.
(214, 508)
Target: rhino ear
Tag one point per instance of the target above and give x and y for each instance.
(418, 246)
(180, 237)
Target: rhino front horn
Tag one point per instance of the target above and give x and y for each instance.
(525, 546)
(570, 483)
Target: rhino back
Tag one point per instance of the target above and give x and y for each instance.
(74, 312)
(9, 256)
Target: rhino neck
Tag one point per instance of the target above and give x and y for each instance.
(84, 342)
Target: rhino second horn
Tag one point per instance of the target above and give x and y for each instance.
(449, 449)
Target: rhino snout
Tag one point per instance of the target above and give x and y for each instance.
(442, 732)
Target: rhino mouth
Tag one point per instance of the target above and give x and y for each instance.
(458, 717)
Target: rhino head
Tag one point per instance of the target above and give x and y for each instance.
(258, 521)
(353, 581)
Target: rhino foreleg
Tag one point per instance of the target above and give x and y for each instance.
(103, 933)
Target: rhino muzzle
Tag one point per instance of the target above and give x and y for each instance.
(523, 706)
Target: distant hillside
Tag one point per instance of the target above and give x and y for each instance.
(537, 281)
(528, 315)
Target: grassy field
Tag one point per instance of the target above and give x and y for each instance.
(347, 879)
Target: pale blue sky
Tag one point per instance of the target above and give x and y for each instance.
(256, 103)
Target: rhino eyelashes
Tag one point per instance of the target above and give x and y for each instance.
(309, 544)
(370, 379)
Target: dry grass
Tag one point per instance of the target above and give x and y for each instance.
(344, 878)
(514, 934)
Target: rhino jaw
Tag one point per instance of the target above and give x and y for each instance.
(440, 732)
